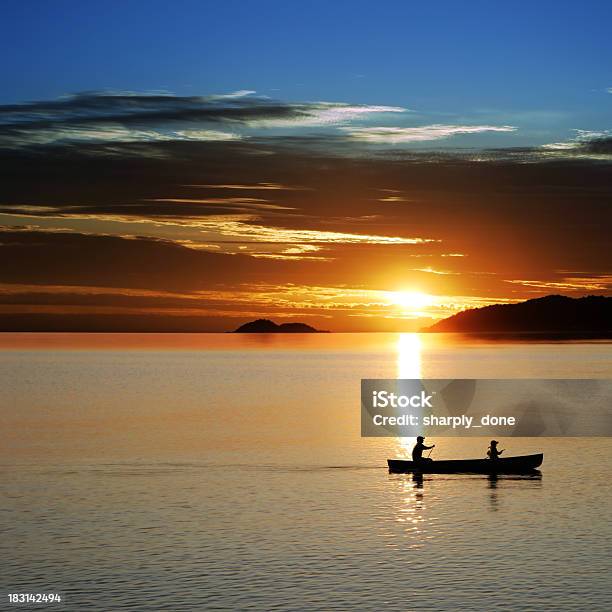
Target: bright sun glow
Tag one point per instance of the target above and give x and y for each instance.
(411, 300)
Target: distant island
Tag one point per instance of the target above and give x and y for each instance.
(590, 315)
(265, 326)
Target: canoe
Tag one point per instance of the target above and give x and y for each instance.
(507, 465)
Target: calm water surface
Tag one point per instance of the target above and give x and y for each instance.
(191, 472)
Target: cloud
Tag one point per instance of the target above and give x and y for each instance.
(178, 211)
(599, 146)
(394, 135)
(585, 144)
(240, 204)
(601, 282)
(129, 117)
(393, 198)
(255, 187)
(431, 270)
(201, 135)
(247, 228)
(326, 113)
(162, 125)
(241, 93)
(581, 138)
(233, 224)
(107, 133)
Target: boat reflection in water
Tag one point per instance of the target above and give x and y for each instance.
(495, 480)
(424, 498)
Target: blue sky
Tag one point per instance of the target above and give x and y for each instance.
(543, 67)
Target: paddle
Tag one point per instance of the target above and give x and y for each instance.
(429, 453)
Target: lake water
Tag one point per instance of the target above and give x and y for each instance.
(227, 472)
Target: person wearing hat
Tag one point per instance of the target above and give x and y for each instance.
(419, 447)
(493, 453)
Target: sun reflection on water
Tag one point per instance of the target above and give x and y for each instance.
(409, 349)
(409, 356)
(408, 515)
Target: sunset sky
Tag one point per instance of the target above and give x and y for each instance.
(349, 165)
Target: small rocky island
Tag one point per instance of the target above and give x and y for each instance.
(265, 326)
(590, 315)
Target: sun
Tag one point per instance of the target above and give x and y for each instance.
(411, 300)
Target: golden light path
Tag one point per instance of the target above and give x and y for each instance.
(410, 505)
(409, 347)
(409, 356)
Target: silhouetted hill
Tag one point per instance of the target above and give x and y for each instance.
(265, 326)
(553, 313)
